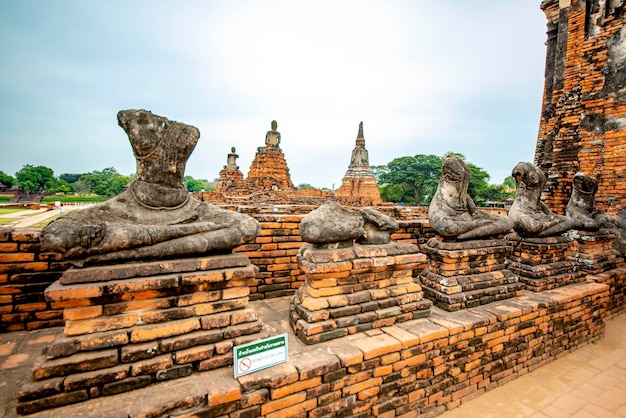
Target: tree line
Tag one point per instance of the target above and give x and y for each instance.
(105, 183)
(410, 179)
(414, 180)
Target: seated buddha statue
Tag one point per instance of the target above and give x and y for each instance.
(453, 214)
(580, 204)
(530, 216)
(272, 137)
(156, 217)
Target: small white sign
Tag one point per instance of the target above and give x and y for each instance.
(260, 354)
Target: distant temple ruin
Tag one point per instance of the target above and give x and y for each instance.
(583, 118)
(268, 178)
(359, 179)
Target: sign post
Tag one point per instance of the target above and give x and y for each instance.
(260, 354)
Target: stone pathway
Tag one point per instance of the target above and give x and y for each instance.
(589, 382)
(31, 217)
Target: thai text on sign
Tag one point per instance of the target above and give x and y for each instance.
(260, 354)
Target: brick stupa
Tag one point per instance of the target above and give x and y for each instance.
(231, 178)
(359, 180)
(269, 170)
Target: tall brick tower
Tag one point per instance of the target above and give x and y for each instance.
(359, 181)
(269, 170)
(583, 118)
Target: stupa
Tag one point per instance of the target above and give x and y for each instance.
(359, 181)
(269, 170)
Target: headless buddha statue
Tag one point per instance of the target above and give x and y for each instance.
(156, 218)
(453, 214)
(530, 216)
(580, 205)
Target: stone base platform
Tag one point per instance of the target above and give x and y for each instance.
(421, 367)
(465, 274)
(544, 263)
(594, 251)
(356, 289)
(153, 322)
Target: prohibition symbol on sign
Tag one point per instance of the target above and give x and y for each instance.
(245, 364)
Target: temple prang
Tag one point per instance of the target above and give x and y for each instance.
(359, 179)
(583, 116)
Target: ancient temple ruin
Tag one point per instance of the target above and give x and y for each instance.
(268, 170)
(269, 181)
(359, 179)
(583, 117)
(152, 289)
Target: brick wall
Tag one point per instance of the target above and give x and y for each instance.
(420, 368)
(583, 116)
(25, 271)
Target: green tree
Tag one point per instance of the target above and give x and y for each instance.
(196, 185)
(420, 173)
(35, 179)
(82, 187)
(509, 182)
(107, 182)
(397, 193)
(60, 186)
(305, 186)
(6, 180)
(70, 178)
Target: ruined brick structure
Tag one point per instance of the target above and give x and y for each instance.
(583, 117)
(231, 178)
(359, 179)
(268, 179)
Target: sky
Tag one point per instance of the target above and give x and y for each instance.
(425, 77)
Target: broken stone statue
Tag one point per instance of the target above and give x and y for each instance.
(332, 226)
(156, 217)
(378, 227)
(530, 216)
(453, 214)
(580, 205)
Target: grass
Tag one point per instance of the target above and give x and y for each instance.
(45, 222)
(5, 211)
(7, 220)
(5, 199)
(72, 199)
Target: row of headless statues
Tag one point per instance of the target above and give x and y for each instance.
(156, 218)
(453, 215)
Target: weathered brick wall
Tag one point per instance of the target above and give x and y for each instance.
(25, 271)
(583, 119)
(275, 253)
(425, 366)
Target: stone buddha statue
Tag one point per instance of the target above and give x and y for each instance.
(156, 218)
(580, 205)
(453, 214)
(530, 216)
(272, 137)
(231, 160)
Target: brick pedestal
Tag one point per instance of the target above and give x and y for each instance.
(594, 251)
(131, 325)
(544, 263)
(356, 289)
(466, 274)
